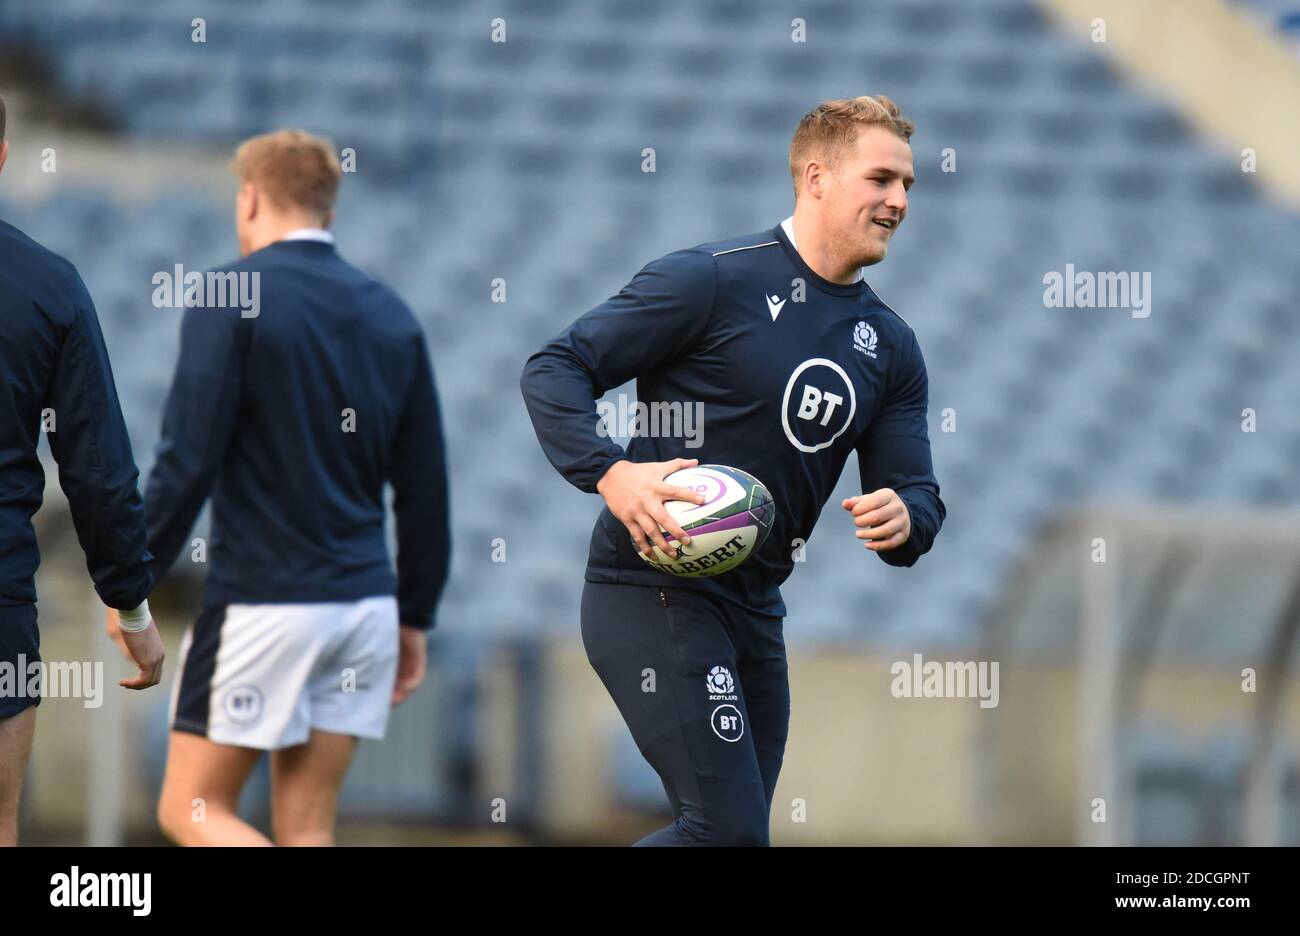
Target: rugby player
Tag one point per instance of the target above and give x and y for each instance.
(797, 363)
(55, 375)
(293, 419)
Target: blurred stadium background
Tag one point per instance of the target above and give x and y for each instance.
(1052, 428)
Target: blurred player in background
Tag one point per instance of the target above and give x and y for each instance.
(55, 375)
(797, 363)
(294, 418)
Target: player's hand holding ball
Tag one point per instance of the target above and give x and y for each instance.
(882, 519)
(635, 494)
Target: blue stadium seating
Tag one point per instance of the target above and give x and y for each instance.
(522, 160)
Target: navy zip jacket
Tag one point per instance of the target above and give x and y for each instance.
(790, 385)
(53, 362)
(293, 420)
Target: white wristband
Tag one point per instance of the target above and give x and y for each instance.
(135, 620)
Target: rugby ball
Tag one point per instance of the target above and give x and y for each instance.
(733, 521)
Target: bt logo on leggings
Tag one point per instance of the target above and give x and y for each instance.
(728, 723)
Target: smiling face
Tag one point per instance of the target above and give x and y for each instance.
(864, 195)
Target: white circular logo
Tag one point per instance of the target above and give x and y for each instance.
(243, 704)
(823, 404)
(719, 680)
(728, 723)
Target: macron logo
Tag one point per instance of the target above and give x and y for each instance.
(773, 306)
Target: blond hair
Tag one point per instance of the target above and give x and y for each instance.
(831, 128)
(292, 168)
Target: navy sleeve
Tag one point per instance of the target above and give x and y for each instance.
(894, 453)
(96, 468)
(198, 423)
(421, 504)
(654, 319)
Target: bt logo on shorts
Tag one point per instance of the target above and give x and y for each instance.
(818, 406)
(243, 704)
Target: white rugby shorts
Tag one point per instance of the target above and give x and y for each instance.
(264, 675)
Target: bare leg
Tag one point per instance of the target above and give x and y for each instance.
(15, 747)
(214, 774)
(305, 784)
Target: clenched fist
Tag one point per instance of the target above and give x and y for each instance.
(882, 519)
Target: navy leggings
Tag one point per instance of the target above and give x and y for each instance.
(703, 686)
